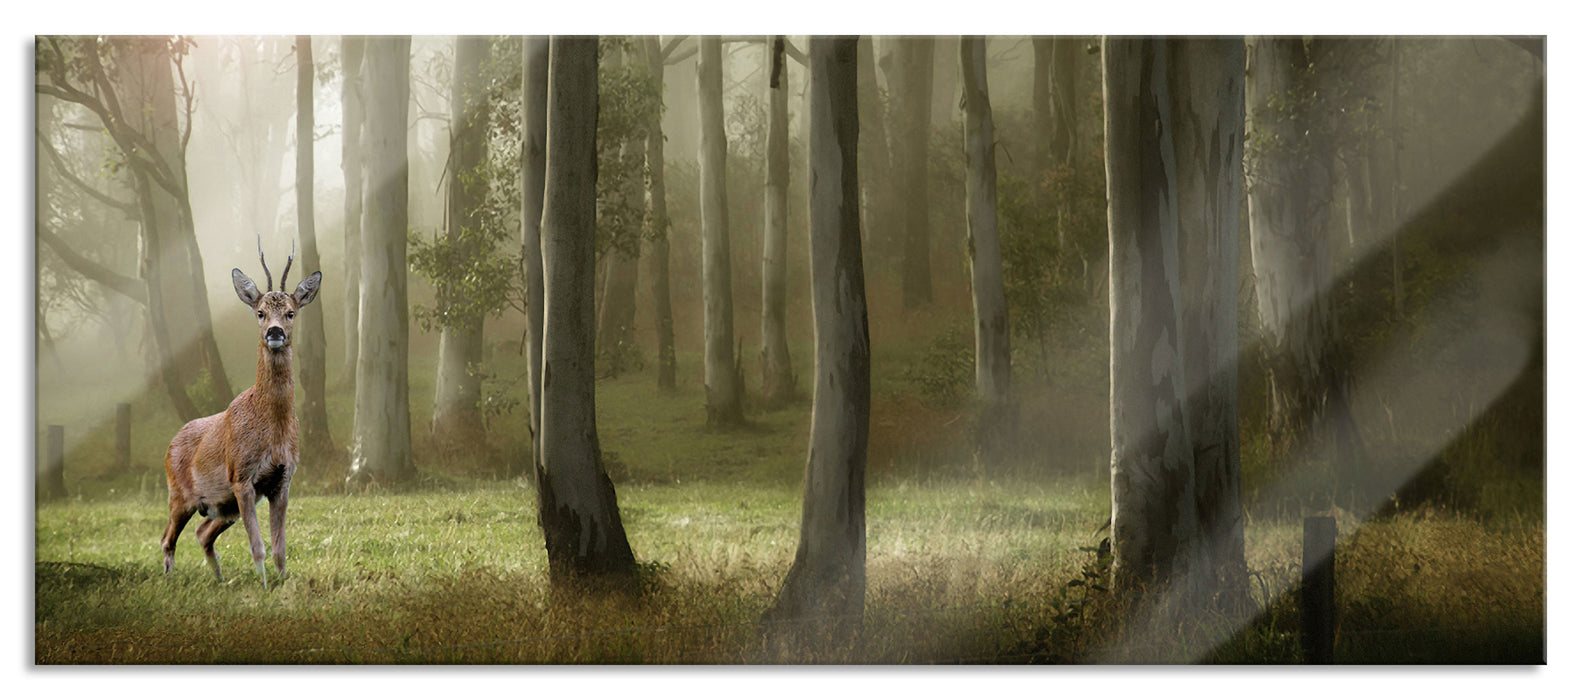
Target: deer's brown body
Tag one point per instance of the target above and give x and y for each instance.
(220, 465)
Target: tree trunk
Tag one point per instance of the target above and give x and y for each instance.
(721, 375)
(779, 381)
(617, 309)
(458, 388)
(1043, 120)
(659, 227)
(911, 104)
(878, 190)
(823, 593)
(1151, 459)
(535, 125)
(352, 174)
(1207, 108)
(382, 434)
(991, 336)
(577, 510)
(315, 418)
(1063, 84)
(1289, 192)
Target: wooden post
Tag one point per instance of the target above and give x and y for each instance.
(1318, 590)
(123, 437)
(52, 483)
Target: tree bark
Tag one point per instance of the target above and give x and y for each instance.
(315, 419)
(1207, 108)
(912, 106)
(823, 593)
(352, 175)
(991, 328)
(779, 382)
(382, 433)
(535, 126)
(458, 388)
(1151, 459)
(721, 375)
(577, 510)
(659, 227)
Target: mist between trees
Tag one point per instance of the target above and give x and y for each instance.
(1225, 283)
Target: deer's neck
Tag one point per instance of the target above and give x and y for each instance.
(274, 386)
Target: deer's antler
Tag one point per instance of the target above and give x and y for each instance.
(269, 281)
(288, 264)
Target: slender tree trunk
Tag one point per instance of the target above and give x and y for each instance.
(779, 381)
(458, 388)
(1063, 84)
(577, 510)
(912, 104)
(721, 375)
(617, 309)
(1043, 101)
(315, 419)
(1151, 459)
(352, 174)
(1207, 108)
(823, 593)
(382, 432)
(659, 227)
(878, 189)
(992, 334)
(535, 126)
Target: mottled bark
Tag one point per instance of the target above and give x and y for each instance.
(991, 324)
(535, 127)
(779, 381)
(1151, 453)
(911, 105)
(577, 510)
(382, 427)
(352, 175)
(1206, 93)
(823, 593)
(309, 339)
(458, 388)
(659, 226)
(721, 376)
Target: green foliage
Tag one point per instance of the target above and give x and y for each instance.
(629, 105)
(946, 373)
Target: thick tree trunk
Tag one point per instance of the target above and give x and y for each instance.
(659, 227)
(382, 432)
(352, 175)
(992, 334)
(458, 388)
(912, 105)
(779, 381)
(823, 593)
(1207, 107)
(1151, 454)
(535, 126)
(577, 510)
(721, 376)
(314, 415)
(878, 190)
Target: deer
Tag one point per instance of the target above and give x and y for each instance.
(220, 465)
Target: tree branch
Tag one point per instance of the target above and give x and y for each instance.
(670, 47)
(127, 208)
(131, 287)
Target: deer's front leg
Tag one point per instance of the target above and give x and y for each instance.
(277, 527)
(247, 502)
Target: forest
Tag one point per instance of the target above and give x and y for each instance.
(726, 349)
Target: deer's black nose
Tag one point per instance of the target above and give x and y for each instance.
(275, 333)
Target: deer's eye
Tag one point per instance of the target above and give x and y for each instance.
(291, 314)
(260, 314)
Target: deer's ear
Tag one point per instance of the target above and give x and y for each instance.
(245, 288)
(308, 289)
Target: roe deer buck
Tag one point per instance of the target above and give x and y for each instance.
(220, 465)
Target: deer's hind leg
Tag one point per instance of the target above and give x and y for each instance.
(207, 531)
(179, 515)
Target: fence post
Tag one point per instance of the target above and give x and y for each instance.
(1318, 590)
(52, 483)
(123, 437)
